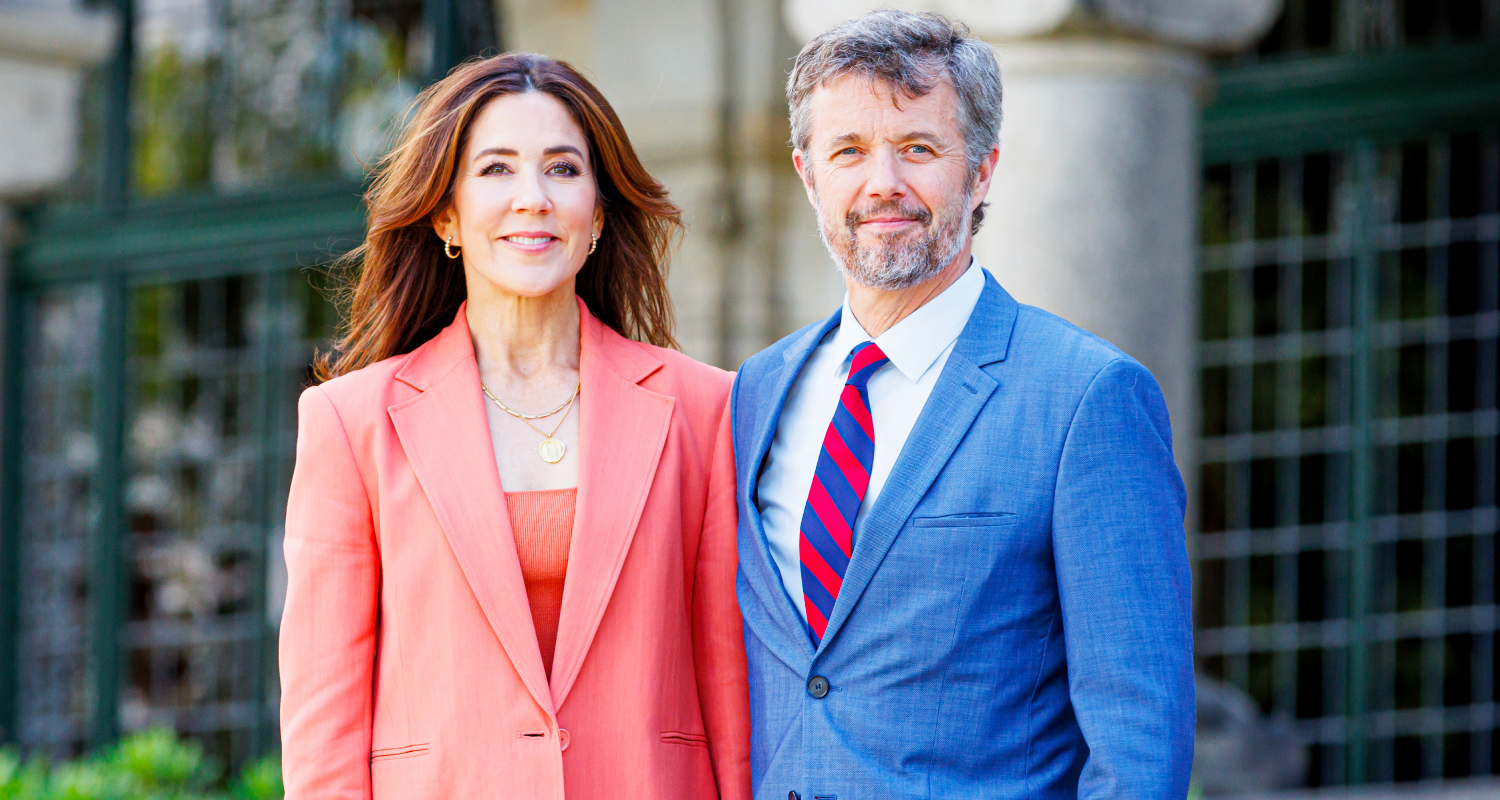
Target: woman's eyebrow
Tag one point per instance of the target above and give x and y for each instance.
(509, 151)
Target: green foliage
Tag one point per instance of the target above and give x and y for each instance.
(260, 781)
(153, 765)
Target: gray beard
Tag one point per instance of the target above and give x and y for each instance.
(899, 262)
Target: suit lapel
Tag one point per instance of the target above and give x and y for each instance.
(956, 400)
(446, 438)
(765, 576)
(623, 428)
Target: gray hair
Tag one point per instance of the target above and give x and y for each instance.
(909, 53)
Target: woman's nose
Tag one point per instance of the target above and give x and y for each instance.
(531, 195)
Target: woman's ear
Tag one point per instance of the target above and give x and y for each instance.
(445, 225)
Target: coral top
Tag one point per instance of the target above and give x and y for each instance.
(542, 523)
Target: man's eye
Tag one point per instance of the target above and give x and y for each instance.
(921, 149)
(849, 151)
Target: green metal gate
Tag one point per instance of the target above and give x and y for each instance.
(155, 426)
(1346, 564)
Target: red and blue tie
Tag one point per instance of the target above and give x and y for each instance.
(838, 489)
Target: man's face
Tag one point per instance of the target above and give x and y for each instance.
(889, 179)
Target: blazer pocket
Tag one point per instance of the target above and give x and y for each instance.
(965, 520)
(685, 739)
(393, 753)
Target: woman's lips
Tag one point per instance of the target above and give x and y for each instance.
(530, 243)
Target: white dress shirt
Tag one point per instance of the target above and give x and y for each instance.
(918, 347)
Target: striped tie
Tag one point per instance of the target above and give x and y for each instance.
(838, 488)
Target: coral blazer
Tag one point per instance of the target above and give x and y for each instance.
(409, 664)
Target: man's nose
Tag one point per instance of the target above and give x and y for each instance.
(885, 179)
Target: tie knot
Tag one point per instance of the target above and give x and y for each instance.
(868, 358)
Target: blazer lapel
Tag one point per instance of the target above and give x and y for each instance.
(956, 400)
(765, 576)
(446, 437)
(623, 428)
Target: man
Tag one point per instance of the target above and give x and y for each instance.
(962, 566)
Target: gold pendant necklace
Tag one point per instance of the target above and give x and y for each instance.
(551, 449)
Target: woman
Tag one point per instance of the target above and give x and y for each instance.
(510, 535)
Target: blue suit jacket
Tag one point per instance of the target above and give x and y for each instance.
(1015, 620)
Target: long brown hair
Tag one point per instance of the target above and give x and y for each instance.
(402, 290)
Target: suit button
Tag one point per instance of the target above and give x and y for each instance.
(562, 738)
(793, 796)
(818, 687)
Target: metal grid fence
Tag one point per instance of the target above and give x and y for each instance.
(211, 374)
(1346, 563)
(61, 456)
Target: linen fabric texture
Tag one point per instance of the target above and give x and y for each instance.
(409, 661)
(1015, 618)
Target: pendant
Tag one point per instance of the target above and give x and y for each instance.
(552, 450)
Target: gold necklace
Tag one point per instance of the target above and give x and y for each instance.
(551, 449)
(518, 415)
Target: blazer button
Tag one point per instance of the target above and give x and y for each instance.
(562, 738)
(793, 796)
(818, 687)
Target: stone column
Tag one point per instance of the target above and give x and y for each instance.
(1094, 206)
(44, 49)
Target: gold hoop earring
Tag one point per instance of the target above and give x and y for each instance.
(594, 243)
(448, 248)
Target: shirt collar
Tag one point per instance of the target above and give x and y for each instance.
(914, 343)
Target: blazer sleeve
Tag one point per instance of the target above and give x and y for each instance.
(328, 626)
(1125, 589)
(719, 644)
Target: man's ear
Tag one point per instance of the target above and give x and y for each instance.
(445, 224)
(984, 176)
(804, 171)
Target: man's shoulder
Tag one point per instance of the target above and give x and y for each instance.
(774, 358)
(1054, 348)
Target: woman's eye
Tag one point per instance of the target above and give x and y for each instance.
(562, 168)
(494, 169)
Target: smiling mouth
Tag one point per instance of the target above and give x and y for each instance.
(529, 240)
(887, 214)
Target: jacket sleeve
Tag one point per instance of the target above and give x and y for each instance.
(718, 639)
(1125, 589)
(328, 626)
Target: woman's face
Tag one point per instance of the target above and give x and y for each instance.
(525, 203)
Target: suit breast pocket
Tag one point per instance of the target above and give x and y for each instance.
(974, 546)
(947, 576)
(978, 520)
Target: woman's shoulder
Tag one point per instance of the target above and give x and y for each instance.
(685, 377)
(364, 394)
